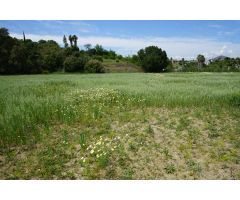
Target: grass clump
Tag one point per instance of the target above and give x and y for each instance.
(170, 169)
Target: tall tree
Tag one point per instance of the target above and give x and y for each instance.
(51, 56)
(25, 58)
(24, 39)
(6, 45)
(99, 49)
(87, 46)
(70, 37)
(65, 42)
(74, 38)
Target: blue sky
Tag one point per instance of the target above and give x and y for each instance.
(179, 38)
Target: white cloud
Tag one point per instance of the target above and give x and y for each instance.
(84, 30)
(229, 33)
(215, 26)
(58, 25)
(226, 33)
(175, 47)
(223, 49)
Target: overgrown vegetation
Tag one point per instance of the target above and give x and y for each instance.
(94, 66)
(120, 126)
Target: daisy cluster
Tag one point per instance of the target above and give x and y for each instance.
(101, 147)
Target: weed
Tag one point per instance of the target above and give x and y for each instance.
(128, 174)
(150, 130)
(82, 139)
(103, 160)
(133, 146)
(194, 166)
(170, 169)
(166, 153)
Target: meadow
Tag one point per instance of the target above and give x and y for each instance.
(120, 126)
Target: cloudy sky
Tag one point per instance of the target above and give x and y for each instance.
(179, 38)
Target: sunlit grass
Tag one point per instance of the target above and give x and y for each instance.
(79, 125)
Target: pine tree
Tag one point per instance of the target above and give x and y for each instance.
(65, 42)
(24, 39)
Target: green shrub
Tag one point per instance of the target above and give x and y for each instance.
(153, 59)
(94, 66)
(74, 64)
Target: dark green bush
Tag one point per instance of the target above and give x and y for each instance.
(74, 64)
(153, 59)
(94, 66)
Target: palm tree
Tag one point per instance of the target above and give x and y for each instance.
(70, 37)
(75, 38)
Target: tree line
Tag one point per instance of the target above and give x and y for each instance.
(23, 56)
(219, 64)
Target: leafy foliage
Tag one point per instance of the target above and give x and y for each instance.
(28, 57)
(52, 55)
(73, 64)
(25, 58)
(94, 66)
(153, 59)
(201, 60)
(6, 45)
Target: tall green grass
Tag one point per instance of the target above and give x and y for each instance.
(30, 103)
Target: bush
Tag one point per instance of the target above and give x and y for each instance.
(74, 64)
(153, 59)
(94, 66)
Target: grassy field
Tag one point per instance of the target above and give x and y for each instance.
(120, 126)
